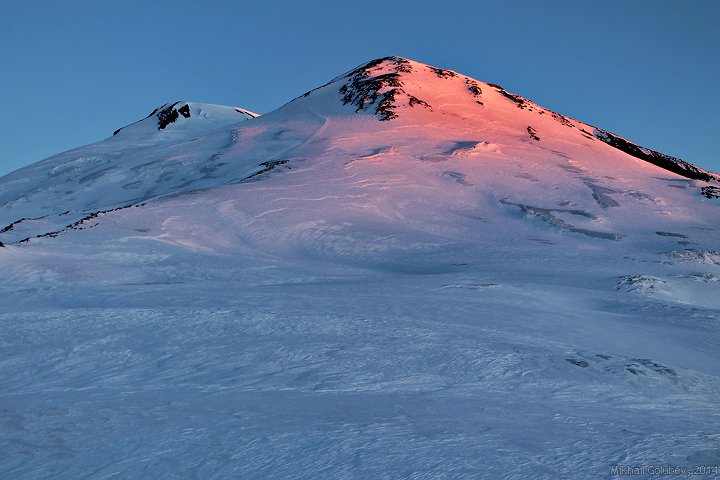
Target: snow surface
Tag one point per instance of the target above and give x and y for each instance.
(319, 293)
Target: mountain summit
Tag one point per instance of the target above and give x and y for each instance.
(190, 117)
(393, 87)
(404, 273)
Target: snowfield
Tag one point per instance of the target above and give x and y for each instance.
(405, 273)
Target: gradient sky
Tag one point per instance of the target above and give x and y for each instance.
(74, 71)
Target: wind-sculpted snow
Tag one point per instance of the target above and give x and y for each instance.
(316, 293)
(124, 170)
(149, 345)
(696, 256)
(549, 216)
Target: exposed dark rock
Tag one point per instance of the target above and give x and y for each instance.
(587, 134)
(561, 119)
(401, 66)
(167, 115)
(710, 192)
(667, 162)
(363, 88)
(267, 167)
(9, 227)
(524, 103)
(517, 99)
(442, 73)
(473, 87)
(363, 91)
(246, 113)
(274, 163)
(78, 224)
(307, 94)
(412, 101)
(520, 101)
(49, 234)
(184, 111)
(533, 134)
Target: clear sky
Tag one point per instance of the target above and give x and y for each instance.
(71, 72)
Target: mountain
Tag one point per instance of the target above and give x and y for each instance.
(403, 273)
(175, 148)
(183, 119)
(182, 147)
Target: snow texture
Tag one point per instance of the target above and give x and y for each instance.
(405, 273)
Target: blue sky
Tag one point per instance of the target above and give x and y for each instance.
(74, 71)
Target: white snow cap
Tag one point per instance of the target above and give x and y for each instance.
(190, 118)
(396, 88)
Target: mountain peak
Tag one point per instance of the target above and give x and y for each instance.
(377, 87)
(386, 86)
(398, 89)
(186, 116)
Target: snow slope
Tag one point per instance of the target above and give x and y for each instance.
(178, 147)
(405, 273)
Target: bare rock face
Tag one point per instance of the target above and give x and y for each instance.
(675, 165)
(379, 93)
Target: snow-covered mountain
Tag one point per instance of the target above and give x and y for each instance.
(176, 148)
(181, 119)
(404, 273)
(182, 147)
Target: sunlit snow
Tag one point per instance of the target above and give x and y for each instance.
(474, 287)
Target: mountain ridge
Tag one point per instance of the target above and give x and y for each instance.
(182, 147)
(364, 89)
